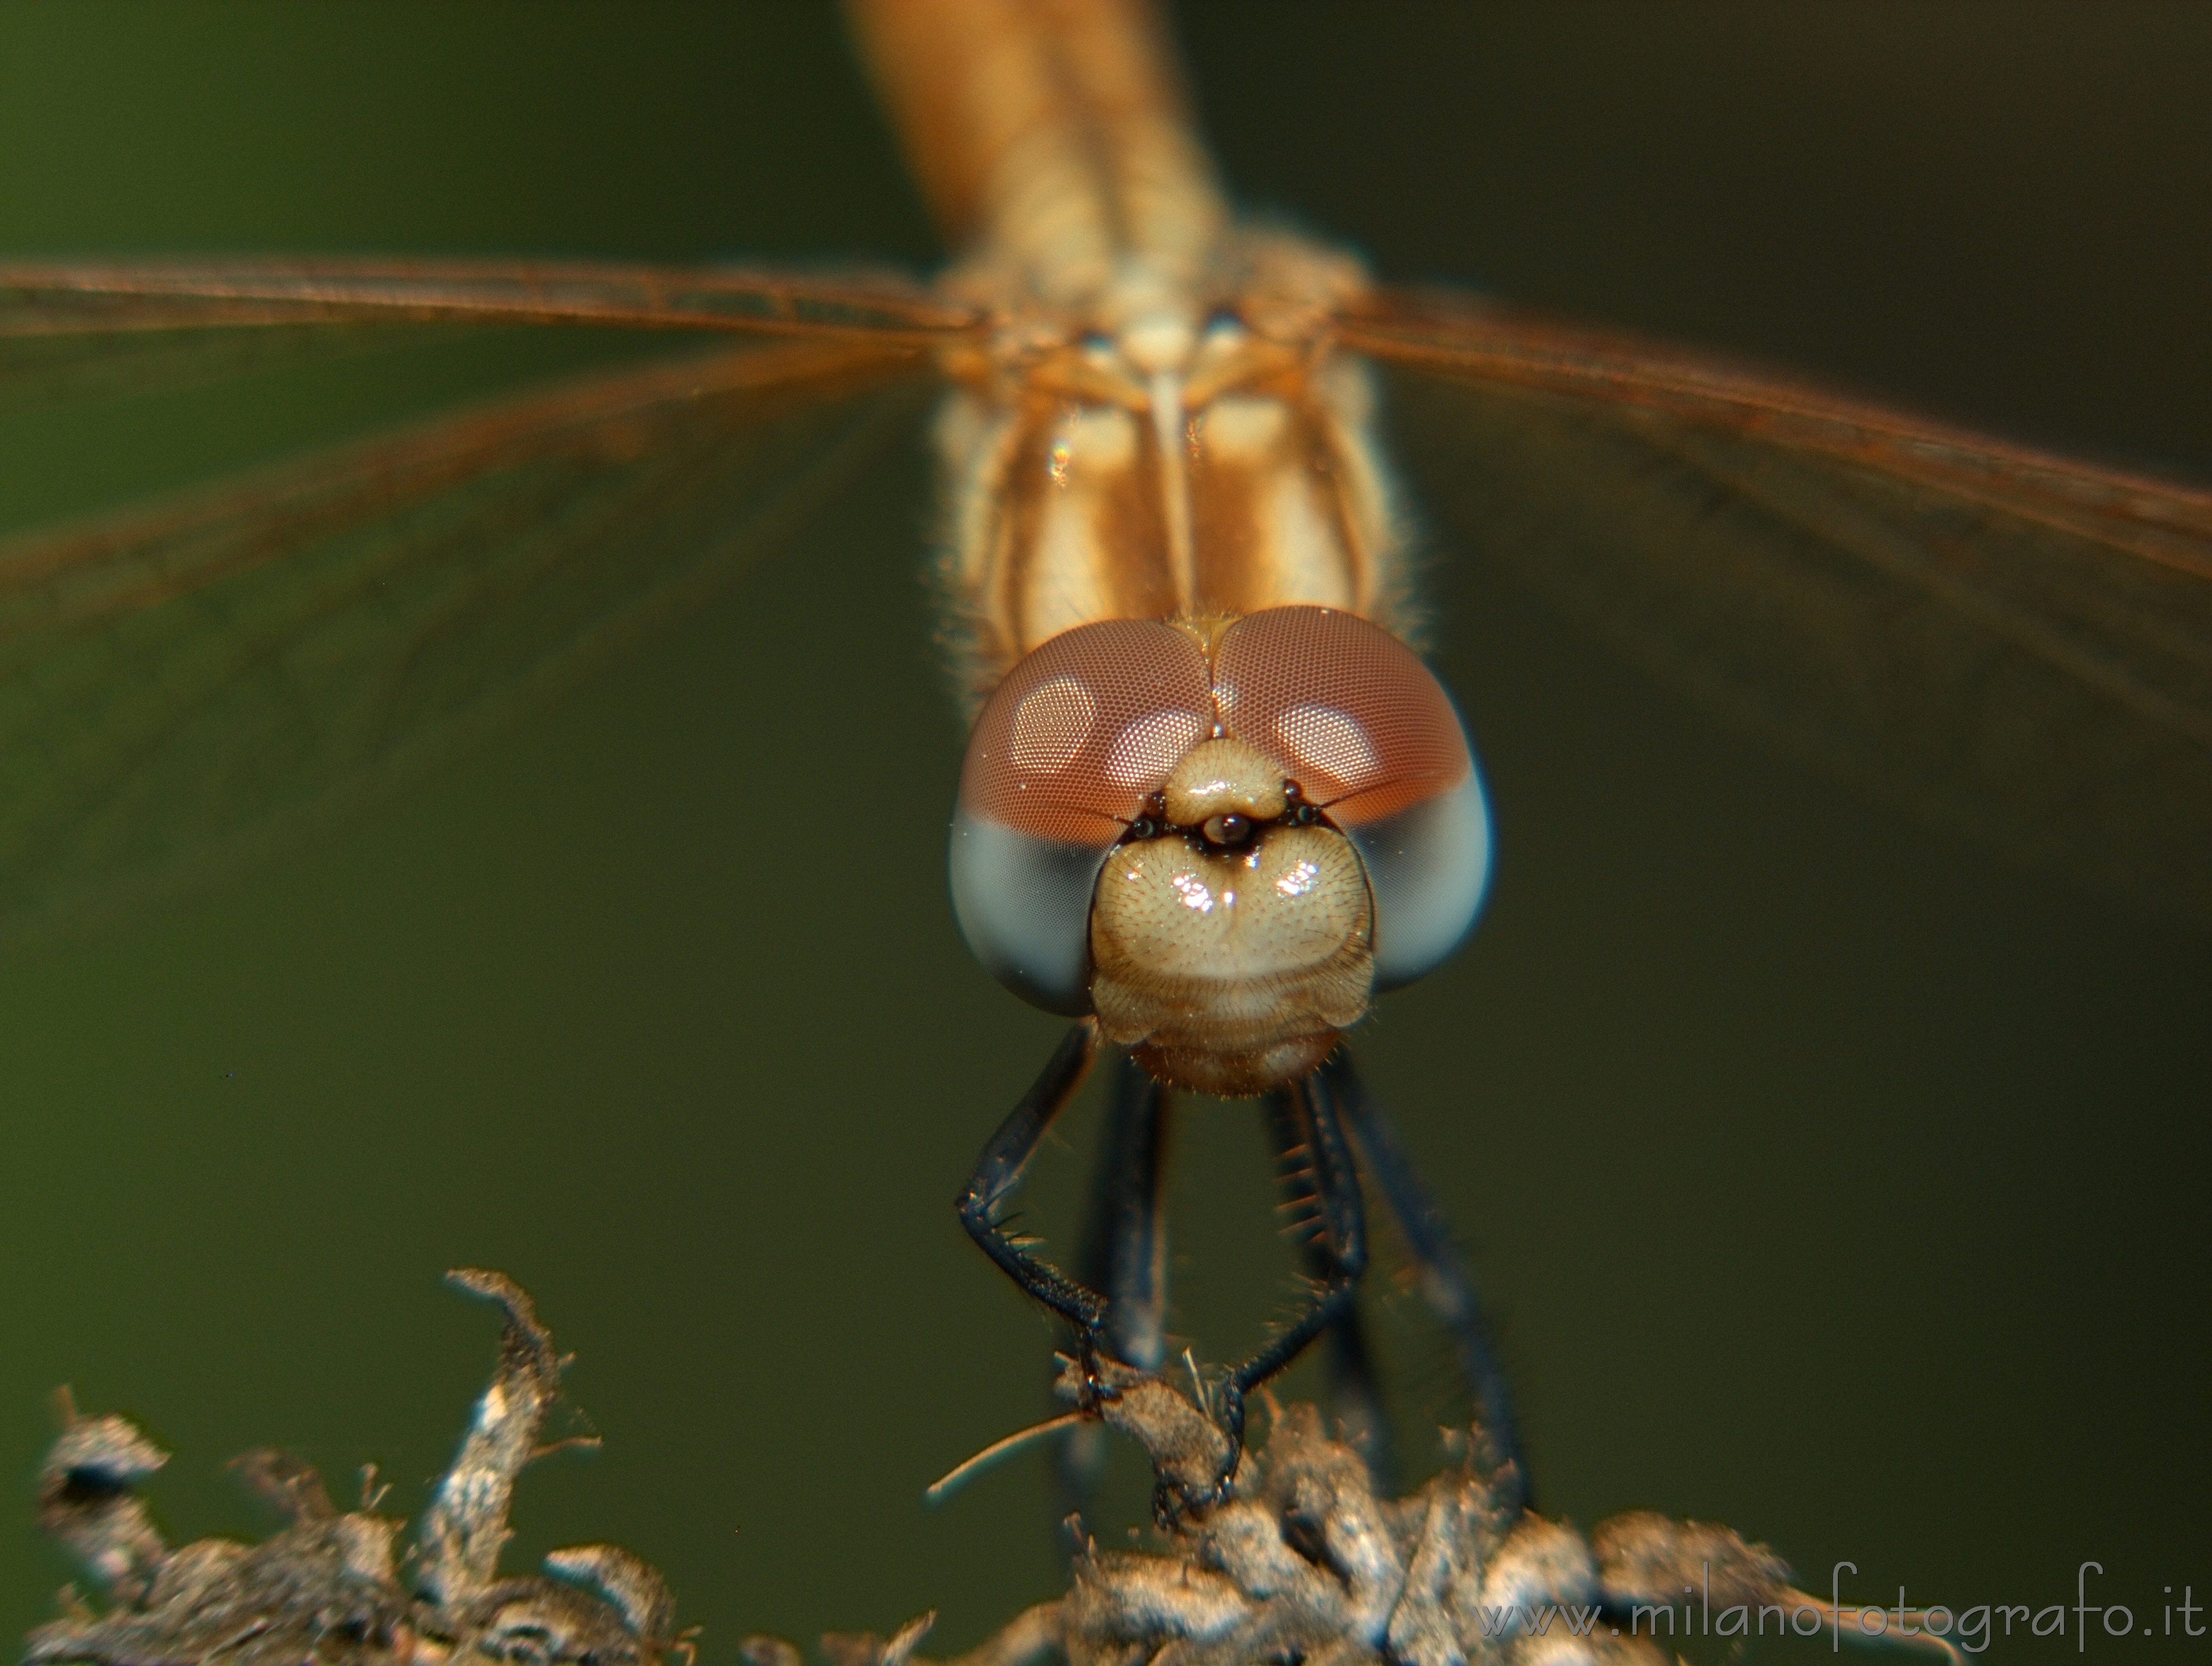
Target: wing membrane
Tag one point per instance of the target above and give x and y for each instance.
(87, 326)
(2020, 644)
(184, 686)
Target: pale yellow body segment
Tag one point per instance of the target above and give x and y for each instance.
(1077, 488)
(1152, 431)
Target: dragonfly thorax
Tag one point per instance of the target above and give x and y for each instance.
(1162, 449)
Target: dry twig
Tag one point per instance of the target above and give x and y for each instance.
(1303, 1564)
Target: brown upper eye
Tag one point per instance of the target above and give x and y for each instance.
(1350, 712)
(1226, 828)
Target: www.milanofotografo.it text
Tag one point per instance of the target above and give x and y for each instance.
(1969, 1628)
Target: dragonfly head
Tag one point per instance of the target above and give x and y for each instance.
(1221, 840)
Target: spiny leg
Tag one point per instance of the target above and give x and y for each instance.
(1125, 1255)
(1342, 1246)
(1445, 1283)
(1355, 1391)
(998, 1171)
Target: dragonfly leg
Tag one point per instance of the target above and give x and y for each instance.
(1445, 1283)
(1125, 1255)
(1341, 1249)
(999, 1169)
(1355, 1387)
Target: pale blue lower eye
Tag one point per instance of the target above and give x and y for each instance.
(1428, 869)
(1024, 907)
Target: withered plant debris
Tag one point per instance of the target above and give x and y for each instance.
(1301, 1566)
(326, 1590)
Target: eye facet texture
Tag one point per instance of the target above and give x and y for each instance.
(1070, 744)
(1354, 716)
(1084, 730)
(1064, 754)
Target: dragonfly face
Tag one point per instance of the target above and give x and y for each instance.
(1219, 838)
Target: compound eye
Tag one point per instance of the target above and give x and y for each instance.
(1063, 756)
(1371, 737)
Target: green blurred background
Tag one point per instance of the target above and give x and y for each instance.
(1828, 1178)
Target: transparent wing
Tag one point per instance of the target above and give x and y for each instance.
(187, 685)
(70, 327)
(2018, 644)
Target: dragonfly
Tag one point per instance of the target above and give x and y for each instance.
(2015, 640)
